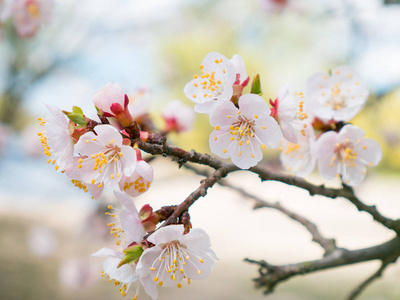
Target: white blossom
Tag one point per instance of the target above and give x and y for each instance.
(104, 159)
(125, 274)
(241, 133)
(339, 96)
(299, 158)
(290, 113)
(176, 256)
(178, 116)
(214, 85)
(346, 153)
(28, 15)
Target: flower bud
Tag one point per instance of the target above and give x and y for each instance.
(132, 254)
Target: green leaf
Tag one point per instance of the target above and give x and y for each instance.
(78, 119)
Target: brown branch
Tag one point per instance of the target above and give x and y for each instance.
(328, 245)
(347, 192)
(182, 156)
(373, 277)
(201, 191)
(271, 276)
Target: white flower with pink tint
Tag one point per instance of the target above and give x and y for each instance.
(346, 153)
(241, 75)
(57, 141)
(127, 225)
(110, 97)
(289, 111)
(214, 85)
(241, 133)
(28, 15)
(178, 116)
(104, 159)
(339, 96)
(300, 158)
(140, 180)
(176, 256)
(124, 275)
(139, 103)
(113, 102)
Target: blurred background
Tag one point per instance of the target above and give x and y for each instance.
(49, 228)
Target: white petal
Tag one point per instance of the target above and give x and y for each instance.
(191, 269)
(125, 273)
(240, 67)
(148, 257)
(145, 170)
(251, 105)
(107, 133)
(272, 135)
(149, 286)
(246, 156)
(351, 132)
(219, 116)
(128, 160)
(197, 239)
(222, 146)
(126, 203)
(108, 252)
(370, 151)
(86, 146)
(132, 226)
(353, 175)
(166, 234)
(95, 191)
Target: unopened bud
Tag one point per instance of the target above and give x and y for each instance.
(256, 86)
(132, 254)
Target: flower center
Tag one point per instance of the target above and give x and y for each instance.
(337, 101)
(212, 86)
(346, 154)
(141, 185)
(242, 128)
(172, 262)
(107, 162)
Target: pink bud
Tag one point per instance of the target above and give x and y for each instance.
(145, 212)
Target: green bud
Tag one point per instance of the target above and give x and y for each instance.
(256, 86)
(77, 110)
(132, 254)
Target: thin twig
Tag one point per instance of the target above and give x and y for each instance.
(327, 244)
(353, 295)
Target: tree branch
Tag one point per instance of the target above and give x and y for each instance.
(182, 156)
(271, 276)
(328, 245)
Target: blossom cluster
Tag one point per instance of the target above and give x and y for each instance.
(99, 154)
(26, 15)
(309, 127)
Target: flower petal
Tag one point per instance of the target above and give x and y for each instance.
(166, 234)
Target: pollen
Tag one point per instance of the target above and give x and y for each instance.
(224, 150)
(217, 127)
